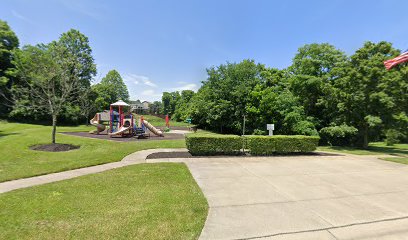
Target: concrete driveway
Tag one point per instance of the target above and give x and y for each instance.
(303, 197)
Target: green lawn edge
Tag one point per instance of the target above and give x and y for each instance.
(17, 160)
(144, 201)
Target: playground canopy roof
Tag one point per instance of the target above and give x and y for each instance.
(120, 103)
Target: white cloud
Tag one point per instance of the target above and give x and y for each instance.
(149, 92)
(131, 78)
(19, 16)
(188, 86)
(136, 79)
(91, 10)
(149, 83)
(142, 88)
(150, 95)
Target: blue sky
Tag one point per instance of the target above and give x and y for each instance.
(167, 45)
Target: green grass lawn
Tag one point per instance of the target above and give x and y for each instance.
(399, 151)
(146, 201)
(403, 160)
(18, 161)
(160, 122)
(376, 148)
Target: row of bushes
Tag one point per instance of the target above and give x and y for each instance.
(213, 144)
(266, 145)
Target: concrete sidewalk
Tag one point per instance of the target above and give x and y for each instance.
(134, 158)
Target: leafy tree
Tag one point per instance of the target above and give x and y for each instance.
(76, 46)
(369, 96)
(279, 106)
(155, 107)
(170, 100)
(47, 85)
(110, 89)
(183, 105)
(313, 73)
(166, 100)
(8, 42)
(53, 76)
(221, 102)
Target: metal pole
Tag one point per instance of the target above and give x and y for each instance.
(243, 128)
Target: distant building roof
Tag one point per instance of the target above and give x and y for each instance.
(138, 106)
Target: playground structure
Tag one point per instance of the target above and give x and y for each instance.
(100, 120)
(121, 123)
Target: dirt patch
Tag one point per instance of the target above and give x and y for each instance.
(56, 147)
(188, 155)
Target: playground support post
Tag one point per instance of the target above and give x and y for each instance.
(111, 118)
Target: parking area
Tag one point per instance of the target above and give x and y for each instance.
(303, 197)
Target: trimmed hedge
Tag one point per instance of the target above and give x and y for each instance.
(217, 144)
(267, 145)
(213, 144)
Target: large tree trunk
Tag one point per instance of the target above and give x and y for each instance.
(54, 127)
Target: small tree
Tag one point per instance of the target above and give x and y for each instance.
(47, 85)
(53, 75)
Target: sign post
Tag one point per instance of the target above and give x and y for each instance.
(270, 128)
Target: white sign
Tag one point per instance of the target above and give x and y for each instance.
(270, 128)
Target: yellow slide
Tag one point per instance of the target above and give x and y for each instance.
(120, 130)
(153, 129)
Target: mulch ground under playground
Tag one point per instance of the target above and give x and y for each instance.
(105, 136)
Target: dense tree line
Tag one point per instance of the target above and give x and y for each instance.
(8, 43)
(347, 100)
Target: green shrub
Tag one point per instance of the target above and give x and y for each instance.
(267, 145)
(305, 128)
(342, 135)
(392, 137)
(259, 132)
(213, 144)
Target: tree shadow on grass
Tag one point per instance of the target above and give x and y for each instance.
(3, 134)
(389, 150)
